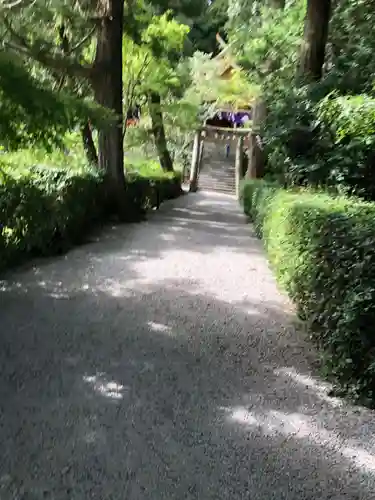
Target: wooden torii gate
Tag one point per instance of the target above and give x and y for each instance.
(242, 136)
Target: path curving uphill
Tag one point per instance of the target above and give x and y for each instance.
(161, 362)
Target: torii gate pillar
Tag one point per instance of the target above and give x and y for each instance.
(194, 170)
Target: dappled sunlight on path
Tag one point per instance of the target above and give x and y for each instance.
(161, 362)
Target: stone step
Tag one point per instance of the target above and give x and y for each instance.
(215, 183)
(217, 187)
(217, 190)
(217, 179)
(217, 175)
(203, 178)
(217, 172)
(228, 180)
(229, 184)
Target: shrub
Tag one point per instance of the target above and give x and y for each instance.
(313, 137)
(145, 193)
(348, 132)
(322, 249)
(45, 210)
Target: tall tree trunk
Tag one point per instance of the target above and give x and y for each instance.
(89, 145)
(159, 132)
(108, 89)
(314, 43)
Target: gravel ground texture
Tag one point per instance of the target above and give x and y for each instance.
(160, 362)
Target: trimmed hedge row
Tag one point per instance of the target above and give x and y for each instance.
(146, 193)
(48, 210)
(322, 249)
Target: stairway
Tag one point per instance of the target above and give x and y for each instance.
(217, 172)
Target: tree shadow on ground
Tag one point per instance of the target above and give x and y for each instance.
(163, 392)
(204, 225)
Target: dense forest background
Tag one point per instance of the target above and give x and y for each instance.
(69, 66)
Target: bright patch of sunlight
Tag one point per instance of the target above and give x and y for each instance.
(159, 327)
(190, 211)
(55, 289)
(183, 221)
(320, 388)
(105, 387)
(244, 417)
(167, 237)
(115, 288)
(61, 295)
(298, 426)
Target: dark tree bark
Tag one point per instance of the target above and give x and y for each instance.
(89, 145)
(159, 132)
(108, 90)
(314, 43)
(105, 77)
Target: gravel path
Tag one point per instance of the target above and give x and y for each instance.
(160, 362)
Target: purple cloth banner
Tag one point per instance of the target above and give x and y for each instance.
(236, 118)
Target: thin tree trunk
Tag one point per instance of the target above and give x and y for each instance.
(257, 160)
(87, 140)
(314, 43)
(159, 132)
(89, 145)
(108, 88)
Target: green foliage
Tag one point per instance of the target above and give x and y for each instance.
(210, 92)
(267, 40)
(144, 193)
(347, 137)
(46, 210)
(321, 135)
(351, 48)
(30, 113)
(323, 251)
(165, 36)
(290, 135)
(204, 28)
(156, 69)
(326, 142)
(142, 72)
(204, 20)
(145, 73)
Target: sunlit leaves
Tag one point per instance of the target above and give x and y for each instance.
(30, 112)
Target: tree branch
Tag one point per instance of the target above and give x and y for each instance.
(17, 3)
(56, 62)
(61, 64)
(83, 41)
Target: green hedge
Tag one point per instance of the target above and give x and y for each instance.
(322, 249)
(45, 211)
(145, 193)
